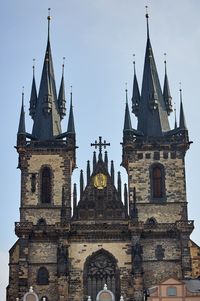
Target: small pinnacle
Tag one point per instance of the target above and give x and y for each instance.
(71, 89)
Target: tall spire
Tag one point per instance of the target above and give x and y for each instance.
(166, 91)
(61, 95)
(33, 98)
(152, 115)
(119, 185)
(71, 127)
(88, 172)
(47, 117)
(136, 93)
(182, 122)
(127, 118)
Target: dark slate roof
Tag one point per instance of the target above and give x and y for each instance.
(71, 127)
(33, 98)
(47, 118)
(152, 115)
(166, 93)
(136, 94)
(127, 118)
(22, 128)
(61, 98)
(182, 122)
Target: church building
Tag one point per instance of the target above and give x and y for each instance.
(69, 245)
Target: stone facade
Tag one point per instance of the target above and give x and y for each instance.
(195, 258)
(129, 244)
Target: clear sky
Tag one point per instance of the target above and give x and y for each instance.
(98, 39)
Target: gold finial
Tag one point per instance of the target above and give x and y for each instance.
(133, 58)
(180, 86)
(126, 90)
(33, 66)
(165, 55)
(49, 14)
(147, 13)
(63, 65)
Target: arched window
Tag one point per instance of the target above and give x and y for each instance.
(100, 269)
(42, 276)
(157, 182)
(41, 222)
(46, 185)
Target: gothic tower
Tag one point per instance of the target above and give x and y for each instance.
(46, 160)
(129, 239)
(153, 155)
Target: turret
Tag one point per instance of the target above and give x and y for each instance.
(166, 92)
(61, 96)
(21, 134)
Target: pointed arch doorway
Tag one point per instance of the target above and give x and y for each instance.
(101, 268)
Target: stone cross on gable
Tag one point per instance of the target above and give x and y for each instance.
(100, 144)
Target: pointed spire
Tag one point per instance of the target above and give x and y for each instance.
(22, 128)
(106, 159)
(152, 115)
(71, 127)
(88, 172)
(182, 122)
(33, 98)
(112, 172)
(119, 184)
(94, 160)
(127, 118)
(61, 95)
(81, 183)
(136, 93)
(47, 117)
(126, 197)
(74, 198)
(166, 91)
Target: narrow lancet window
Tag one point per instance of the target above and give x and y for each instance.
(157, 182)
(46, 185)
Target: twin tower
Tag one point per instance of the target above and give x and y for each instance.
(69, 247)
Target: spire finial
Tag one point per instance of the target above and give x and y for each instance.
(49, 19)
(63, 65)
(134, 62)
(165, 61)
(175, 123)
(33, 67)
(126, 90)
(147, 19)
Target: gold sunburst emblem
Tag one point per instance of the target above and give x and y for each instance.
(100, 181)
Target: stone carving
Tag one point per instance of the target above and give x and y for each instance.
(137, 258)
(62, 260)
(159, 252)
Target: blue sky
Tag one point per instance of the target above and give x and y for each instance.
(98, 39)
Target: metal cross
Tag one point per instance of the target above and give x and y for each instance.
(100, 144)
